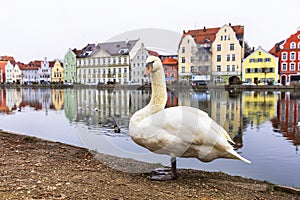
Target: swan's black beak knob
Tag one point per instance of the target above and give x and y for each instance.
(149, 67)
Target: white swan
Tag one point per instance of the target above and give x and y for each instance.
(177, 131)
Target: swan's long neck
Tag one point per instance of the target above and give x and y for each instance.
(158, 97)
(159, 92)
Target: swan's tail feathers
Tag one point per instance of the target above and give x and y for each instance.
(238, 156)
(227, 136)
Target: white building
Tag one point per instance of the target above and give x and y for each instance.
(106, 62)
(44, 72)
(138, 66)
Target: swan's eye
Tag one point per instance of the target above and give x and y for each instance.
(149, 64)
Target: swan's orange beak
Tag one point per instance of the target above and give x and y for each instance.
(149, 67)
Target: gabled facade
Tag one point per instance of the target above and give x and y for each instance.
(260, 67)
(214, 53)
(57, 72)
(288, 52)
(3, 61)
(70, 66)
(106, 62)
(9, 71)
(170, 66)
(45, 72)
(138, 66)
(227, 54)
(30, 72)
(186, 53)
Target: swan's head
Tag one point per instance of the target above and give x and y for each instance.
(153, 64)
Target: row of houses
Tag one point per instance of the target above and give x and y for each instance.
(34, 72)
(220, 55)
(215, 55)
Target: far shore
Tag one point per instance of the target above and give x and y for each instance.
(232, 87)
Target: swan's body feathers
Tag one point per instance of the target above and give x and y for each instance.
(184, 132)
(177, 131)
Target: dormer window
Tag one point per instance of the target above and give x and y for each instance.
(293, 45)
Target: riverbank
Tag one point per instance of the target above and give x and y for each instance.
(32, 168)
(170, 87)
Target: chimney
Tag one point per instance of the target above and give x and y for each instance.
(229, 24)
(204, 29)
(183, 31)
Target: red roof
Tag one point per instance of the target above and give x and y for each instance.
(22, 66)
(170, 61)
(208, 35)
(153, 53)
(7, 58)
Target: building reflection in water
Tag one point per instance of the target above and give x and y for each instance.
(235, 111)
(287, 120)
(259, 106)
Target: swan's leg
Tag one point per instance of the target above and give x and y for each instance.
(165, 174)
(173, 168)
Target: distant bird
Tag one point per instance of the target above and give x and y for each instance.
(117, 129)
(177, 131)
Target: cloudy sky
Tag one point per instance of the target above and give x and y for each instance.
(34, 29)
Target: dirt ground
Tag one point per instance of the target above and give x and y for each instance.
(31, 168)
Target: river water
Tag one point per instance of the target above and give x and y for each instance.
(263, 124)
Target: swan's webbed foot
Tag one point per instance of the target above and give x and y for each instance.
(163, 174)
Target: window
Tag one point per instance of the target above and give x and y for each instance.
(183, 50)
(284, 56)
(292, 66)
(192, 69)
(293, 55)
(283, 67)
(218, 58)
(218, 68)
(298, 45)
(248, 70)
(231, 47)
(218, 47)
(298, 66)
(251, 60)
(228, 57)
(259, 59)
(233, 57)
(233, 68)
(221, 37)
(228, 68)
(267, 60)
(183, 69)
(183, 59)
(192, 59)
(299, 55)
(293, 45)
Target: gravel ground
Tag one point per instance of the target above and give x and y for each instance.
(37, 169)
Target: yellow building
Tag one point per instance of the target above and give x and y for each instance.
(259, 107)
(227, 54)
(260, 67)
(57, 72)
(185, 54)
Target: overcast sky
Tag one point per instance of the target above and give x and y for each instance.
(34, 29)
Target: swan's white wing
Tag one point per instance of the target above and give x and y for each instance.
(184, 132)
(176, 129)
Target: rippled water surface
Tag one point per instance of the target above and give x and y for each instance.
(263, 124)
